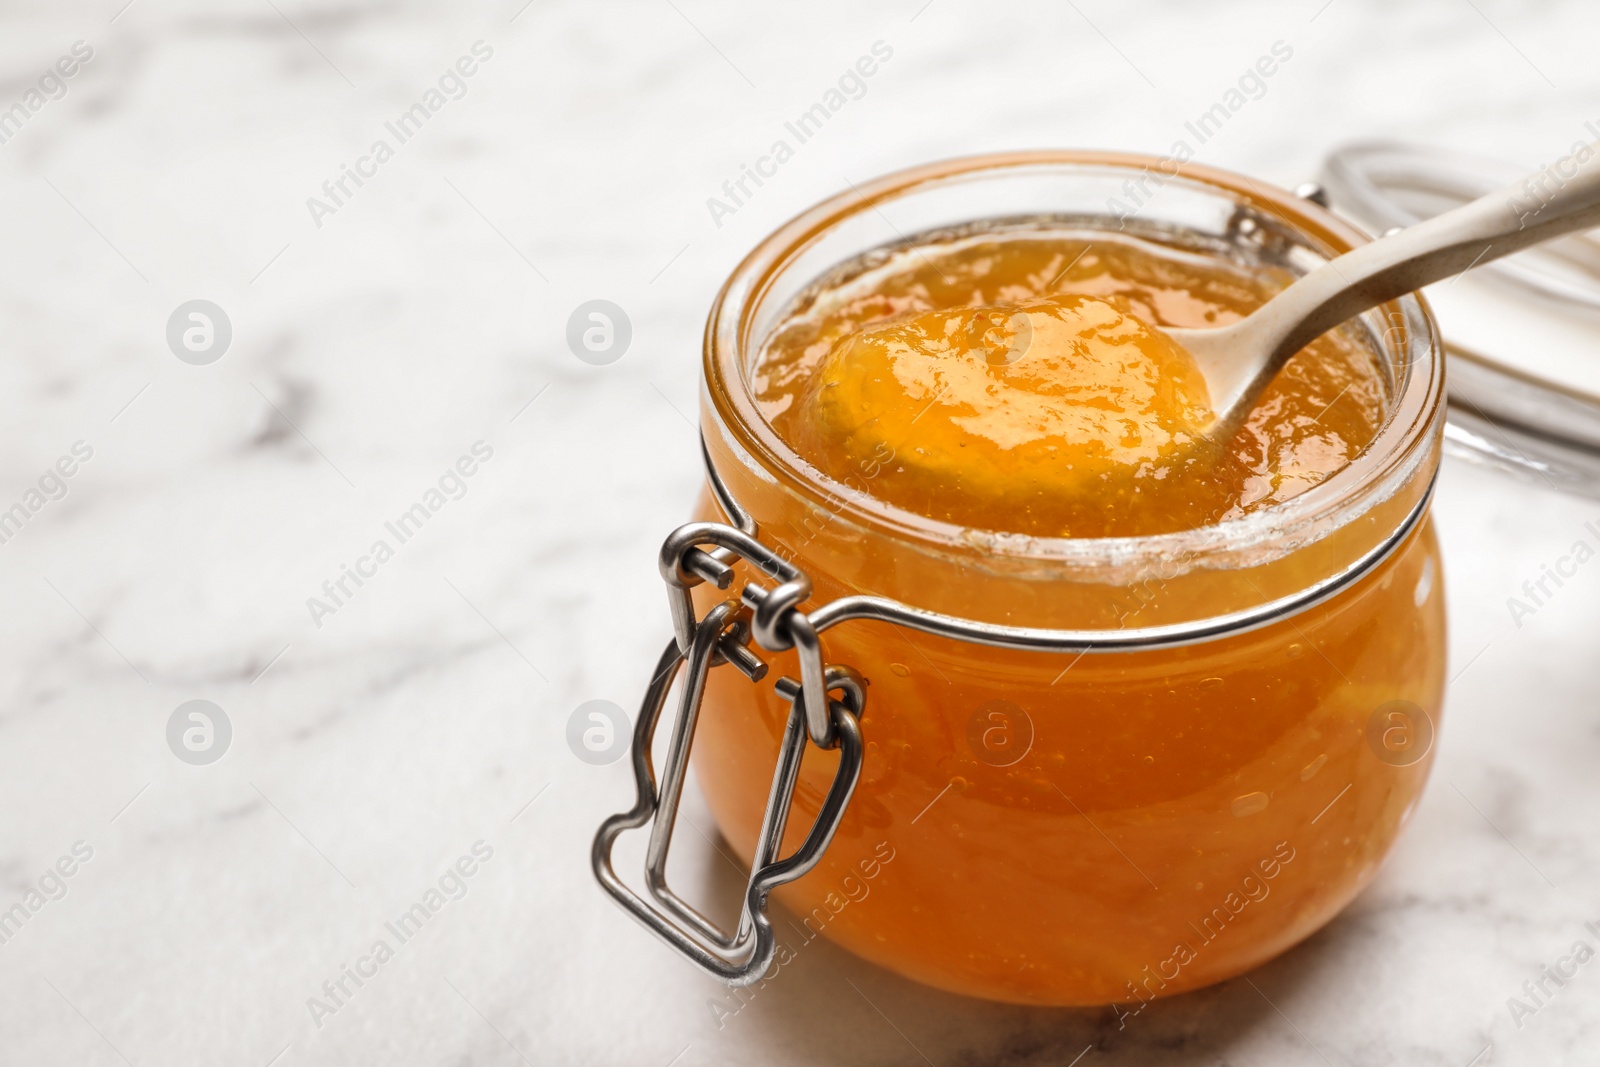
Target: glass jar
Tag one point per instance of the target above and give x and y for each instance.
(1205, 762)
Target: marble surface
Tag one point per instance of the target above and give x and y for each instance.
(375, 746)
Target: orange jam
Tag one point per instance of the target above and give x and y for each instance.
(1019, 385)
(1001, 410)
(1061, 828)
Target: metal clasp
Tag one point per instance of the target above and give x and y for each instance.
(772, 617)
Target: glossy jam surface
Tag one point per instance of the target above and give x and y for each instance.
(1021, 383)
(1075, 829)
(1010, 403)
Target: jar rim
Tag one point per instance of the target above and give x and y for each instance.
(1388, 462)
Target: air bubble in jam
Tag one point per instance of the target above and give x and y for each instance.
(1250, 804)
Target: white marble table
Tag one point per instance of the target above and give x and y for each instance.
(377, 339)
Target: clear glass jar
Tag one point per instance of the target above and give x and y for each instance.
(1098, 827)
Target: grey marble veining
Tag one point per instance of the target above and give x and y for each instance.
(375, 345)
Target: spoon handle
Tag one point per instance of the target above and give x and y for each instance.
(1560, 198)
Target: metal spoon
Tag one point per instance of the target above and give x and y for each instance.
(1240, 360)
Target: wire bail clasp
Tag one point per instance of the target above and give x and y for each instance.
(773, 619)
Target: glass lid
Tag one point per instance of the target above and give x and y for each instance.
(1522, 334)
